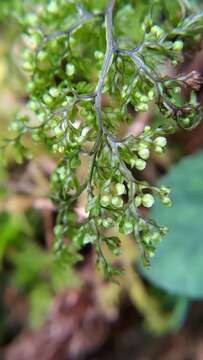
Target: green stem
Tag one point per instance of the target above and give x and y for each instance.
(98, 93)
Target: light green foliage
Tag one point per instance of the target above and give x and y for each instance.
(78, 55)
(41, 276)
(40, 301)
(32, 269)
(177, 266)
(12, 230)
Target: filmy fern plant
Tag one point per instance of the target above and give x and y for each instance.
(93, 65)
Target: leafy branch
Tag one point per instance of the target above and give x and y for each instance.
(82, 88)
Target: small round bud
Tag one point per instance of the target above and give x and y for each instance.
(35, 38)
(151, 253)
(147, 22)
(52, 8)
(142, 144)
(58, 132)
(165, 190)
(174, 62)
(73, 144)
(144, 98)
(147, 239)
(105, 200)
(177, 90)
(31, 86)
(28, 55)
(144, 153)
(147, 200)
(107, 223)
(31, 19)
(72, 41)
(132, 162)
(48, 100)
(138, 94)
(90, 117)
(120, 189)
(117, 202)
(14, 126)
(163, 230)
(156, 237)
(160, 141)
(54, 44)
(156, 30)
(70, 69)
(178, 45)
(54, 92)
(151, 94)
(33, 105)
(158, 150)
(55, 148)
(140, 164)
(35, 137)
(60, 150)
(142, 107)
(167, 201)
(28, 66)
(98, 55)
(138, 201)
(127, 228)
(185, 121)
(42, 55)
(41, 117)
(147, 128)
